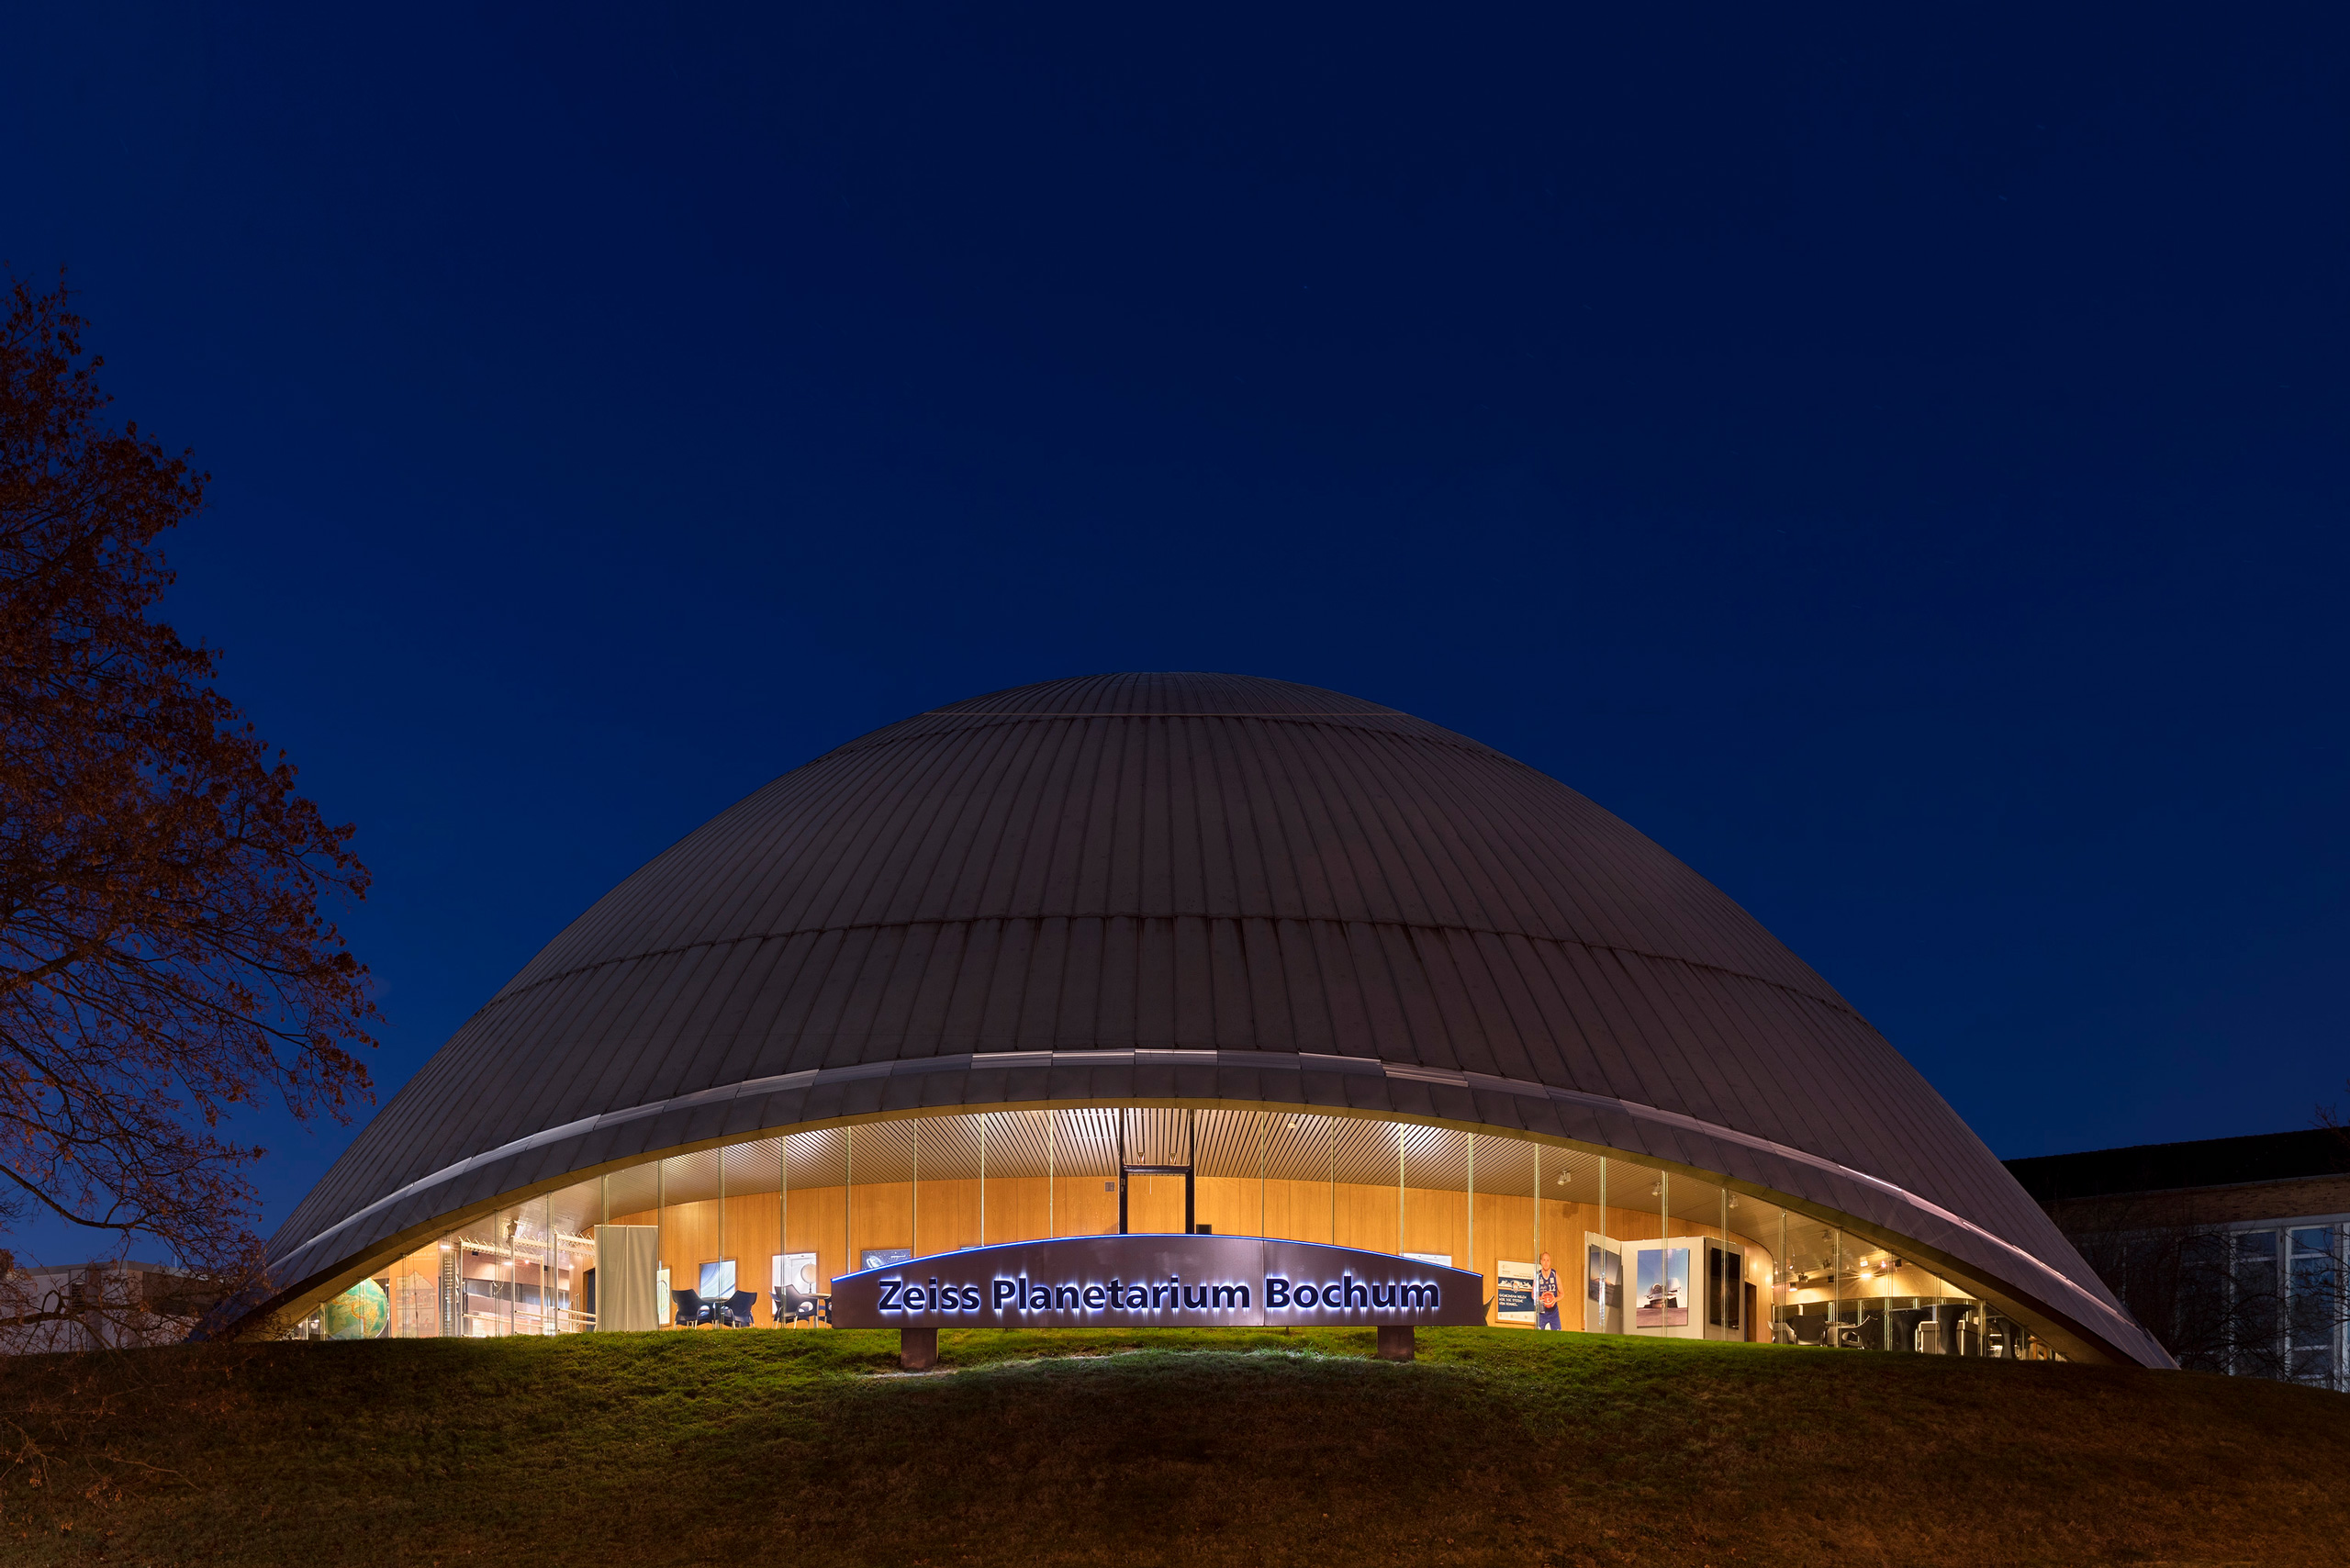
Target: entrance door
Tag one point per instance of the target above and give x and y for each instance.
(1155, 1171)
(1158, 1201)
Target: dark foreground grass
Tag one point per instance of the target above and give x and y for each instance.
(1233, 1447)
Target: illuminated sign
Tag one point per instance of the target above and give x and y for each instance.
(1157, 1280)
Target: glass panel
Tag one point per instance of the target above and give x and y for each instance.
(881, 1194)
(2314, 1305)
(750, 1221)
(1504, 1222)
(1085, 1148)
(692, 1226)
(1574, 1229)
(1300, 1195)
(1367, 1207)
(1753, 1227)
(946, 1190)
(1635, 1200)
(1810, 1286)
(1016, 1199)
(483, 1278)
(1229, 1151)
(570, 1216)
(413, 1288)
(1434, 1221)
(2257, 1307)
(815, 1210)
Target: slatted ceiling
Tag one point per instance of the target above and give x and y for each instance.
(1757, 1222)
(1366, 1152)
(1015, 1144)
(1695, 1203)
(881, 1151)
(753, 1167)
(1229, 1142)
(630, 1190)
(1435, 1158)
(1504, 1166)
(1085, 1143)
(579, 1207)
(1176, 859)
(1583, 1173)
(1297, 1147)
(1157, 1137)
(1811, 1248)
(948, 1148)
(819, 1159)
(690, 1178)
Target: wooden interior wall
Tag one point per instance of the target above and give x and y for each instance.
(1227, 1204)
(1156, 1204)
(1015, 1208)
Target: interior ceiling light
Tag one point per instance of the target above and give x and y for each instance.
(1563, 1178)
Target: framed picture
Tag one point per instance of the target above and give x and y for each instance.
(795, 1271)
(882, 1257)
(1661, 1298)
(1514, 1292)
(1441, 1260)
(717, 1280)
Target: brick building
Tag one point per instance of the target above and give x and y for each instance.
(2230, 1250)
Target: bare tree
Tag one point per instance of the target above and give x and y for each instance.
(164, 952)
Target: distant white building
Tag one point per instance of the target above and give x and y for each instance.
(89, 1307)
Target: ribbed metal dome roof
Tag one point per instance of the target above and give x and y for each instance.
(1187, 887)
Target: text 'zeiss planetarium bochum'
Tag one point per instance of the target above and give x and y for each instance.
(1190, 956)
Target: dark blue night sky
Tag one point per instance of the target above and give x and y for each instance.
(1898, 464)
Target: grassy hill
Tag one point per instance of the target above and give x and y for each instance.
(1239, 1447)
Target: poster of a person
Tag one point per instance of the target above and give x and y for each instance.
(1546, 1294)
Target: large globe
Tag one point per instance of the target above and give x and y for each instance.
(363, 1312)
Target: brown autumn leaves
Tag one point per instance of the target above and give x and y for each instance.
(164, 951)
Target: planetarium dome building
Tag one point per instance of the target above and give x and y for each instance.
(1181, 954)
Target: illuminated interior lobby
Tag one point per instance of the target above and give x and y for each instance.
(1159, 953)
(755, 1231)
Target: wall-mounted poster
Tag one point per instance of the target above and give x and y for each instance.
(1514, 1292)
(1602, 1307)
(882, 1257)
(794, 1272)
(1441, 1260)
(1662, 1288)
(717, 1280)
(663, 1302)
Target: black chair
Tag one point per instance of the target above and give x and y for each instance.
(791, 1306)
(692, 1311)
(736, 1313)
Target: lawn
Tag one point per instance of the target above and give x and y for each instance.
(1170, 1447)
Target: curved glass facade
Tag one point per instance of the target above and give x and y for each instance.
(752, 1235)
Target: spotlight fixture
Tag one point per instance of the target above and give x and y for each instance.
(1563, 1179)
